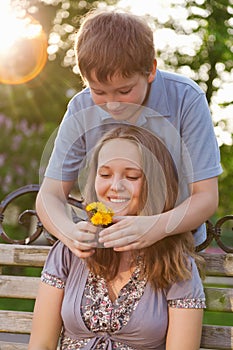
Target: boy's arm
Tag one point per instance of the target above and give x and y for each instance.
(137, 232)
(51, 208)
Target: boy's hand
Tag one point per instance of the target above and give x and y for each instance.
(131, 232)
(81, 241)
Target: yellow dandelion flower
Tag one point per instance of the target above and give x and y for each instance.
(91, 206)
(96, 219)
(99, 214)
(102, 208)
(106, 219)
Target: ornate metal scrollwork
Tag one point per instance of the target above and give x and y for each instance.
(34, 188)
(214, 232)
(5, 203)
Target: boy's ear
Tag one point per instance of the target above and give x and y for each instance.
(153, 72)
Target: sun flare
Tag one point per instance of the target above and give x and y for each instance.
(23, 47)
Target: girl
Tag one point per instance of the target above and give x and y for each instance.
(151, 298)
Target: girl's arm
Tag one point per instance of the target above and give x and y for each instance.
(184, 329)
(47, 322)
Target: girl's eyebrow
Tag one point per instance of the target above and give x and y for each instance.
(127, 168)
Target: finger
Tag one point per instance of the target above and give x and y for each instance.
(83, 235)
(83, 254)
(125, 248)
(117, 218)
(113, 229)
(120, 241)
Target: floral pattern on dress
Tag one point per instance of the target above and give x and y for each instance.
(194, 303)
(52, 280)
(100, 314)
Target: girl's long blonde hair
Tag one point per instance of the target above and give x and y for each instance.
(166, 261)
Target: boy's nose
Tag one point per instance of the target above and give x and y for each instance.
(112, 106)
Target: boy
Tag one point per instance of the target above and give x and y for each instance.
(116, 59)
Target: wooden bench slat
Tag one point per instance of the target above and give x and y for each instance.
(219, 299)
(15, 321)
(19, 287)
(13, 346)
(13, 254)
(217, 337)
(218, 280)
(219, 264)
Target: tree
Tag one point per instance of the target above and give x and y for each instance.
(45, 97)
(207, 27)
(30, 112)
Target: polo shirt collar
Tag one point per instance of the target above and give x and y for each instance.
(158, 99)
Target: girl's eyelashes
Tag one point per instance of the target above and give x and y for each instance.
(133, 178)
(128, 177)
(104, 175)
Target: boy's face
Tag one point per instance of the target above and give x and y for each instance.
(121, 97)
(119, 177)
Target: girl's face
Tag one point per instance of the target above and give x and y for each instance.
(119, 177)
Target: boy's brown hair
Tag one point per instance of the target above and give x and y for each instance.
(112, 43)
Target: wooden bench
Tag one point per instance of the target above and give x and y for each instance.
(218, 289)
(17, 324)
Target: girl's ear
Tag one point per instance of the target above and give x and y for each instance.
(153, 72)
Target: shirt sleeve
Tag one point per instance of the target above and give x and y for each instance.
(189, 293)
(56, 268)
(198, 136)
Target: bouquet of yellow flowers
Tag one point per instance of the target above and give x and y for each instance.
(99, 214)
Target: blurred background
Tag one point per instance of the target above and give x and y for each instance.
(38, 75)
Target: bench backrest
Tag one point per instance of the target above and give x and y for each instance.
(19, 287)
(219, 298)
(218, 289)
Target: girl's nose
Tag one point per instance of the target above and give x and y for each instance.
(117, 184)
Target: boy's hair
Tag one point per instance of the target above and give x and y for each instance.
(112, 42)
(166, 261)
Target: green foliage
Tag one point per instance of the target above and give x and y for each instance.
(211, 21)
(208, 26)
(226, 182)
(21, 146)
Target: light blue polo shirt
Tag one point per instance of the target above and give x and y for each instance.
(176, 110)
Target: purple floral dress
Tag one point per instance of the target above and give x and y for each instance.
(98, 323)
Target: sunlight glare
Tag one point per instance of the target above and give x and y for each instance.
(23, 47)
